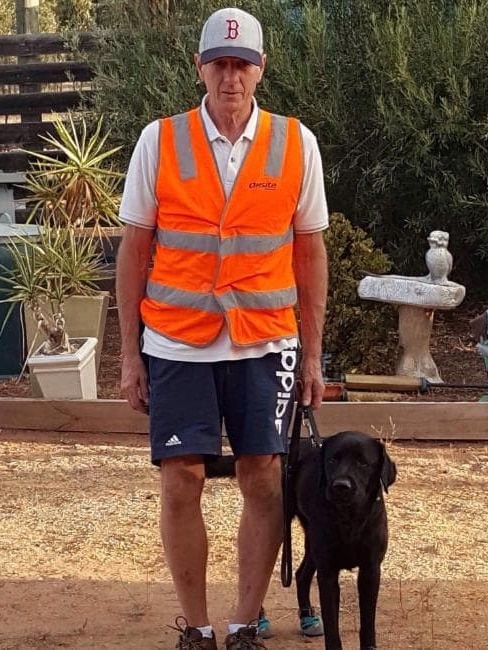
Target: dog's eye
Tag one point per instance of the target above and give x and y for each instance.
(361, 462)
(331, 460)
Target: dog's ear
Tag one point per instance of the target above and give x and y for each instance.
(388, 469)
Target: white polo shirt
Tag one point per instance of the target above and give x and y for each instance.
(139, 208)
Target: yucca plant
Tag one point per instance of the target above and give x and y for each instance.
(80, 190)
(46, 271)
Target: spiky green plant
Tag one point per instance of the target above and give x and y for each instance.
(46, 271)
(83, 188)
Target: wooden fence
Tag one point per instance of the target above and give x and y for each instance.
(28, 101)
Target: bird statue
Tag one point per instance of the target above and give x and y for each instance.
(438, 258)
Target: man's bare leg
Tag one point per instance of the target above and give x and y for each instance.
(183, 534)
(260, 531)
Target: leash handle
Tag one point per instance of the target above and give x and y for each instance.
(311, 424)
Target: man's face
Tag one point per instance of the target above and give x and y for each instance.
(230, 82)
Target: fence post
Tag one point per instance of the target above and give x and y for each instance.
(27, 20)
(27, 16)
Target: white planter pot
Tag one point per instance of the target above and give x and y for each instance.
(67, 376)
(84, 316)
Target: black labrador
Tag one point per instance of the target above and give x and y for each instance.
(339, 502)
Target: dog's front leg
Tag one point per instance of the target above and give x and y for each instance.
(368, 587)
(304, 577)
(328, 581)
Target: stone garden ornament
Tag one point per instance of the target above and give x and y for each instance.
(417, 299)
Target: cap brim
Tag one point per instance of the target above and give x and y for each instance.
(252, 56)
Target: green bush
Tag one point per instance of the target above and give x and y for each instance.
(75, 14)
(359, 334)
(395, 91)
(144, 68)
(422, 163)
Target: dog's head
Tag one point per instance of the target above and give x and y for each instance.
(355, 467)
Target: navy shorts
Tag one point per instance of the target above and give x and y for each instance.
(189, 402)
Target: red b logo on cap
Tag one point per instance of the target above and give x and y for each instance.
(232, 29)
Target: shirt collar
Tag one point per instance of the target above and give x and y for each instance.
(214, 134)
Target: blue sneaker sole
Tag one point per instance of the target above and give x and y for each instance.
(311, 626)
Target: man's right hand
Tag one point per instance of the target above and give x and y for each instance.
(134, 385)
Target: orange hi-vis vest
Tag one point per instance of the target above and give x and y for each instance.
(219, 259)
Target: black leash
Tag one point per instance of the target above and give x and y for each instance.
(303, 416)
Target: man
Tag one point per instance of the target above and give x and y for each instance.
(228, 202)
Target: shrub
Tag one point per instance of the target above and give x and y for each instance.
(425, 165)
(359, 334)
(74, 14)
(393, 89)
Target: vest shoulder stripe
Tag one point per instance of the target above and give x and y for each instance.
(184, 149)
(276, 152)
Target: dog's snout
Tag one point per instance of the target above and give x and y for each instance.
(342, 487)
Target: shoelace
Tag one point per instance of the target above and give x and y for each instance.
(181, 624)
(246, 641)
(179, 627)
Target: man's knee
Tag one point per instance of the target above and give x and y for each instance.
(259, 477)
(182, 480)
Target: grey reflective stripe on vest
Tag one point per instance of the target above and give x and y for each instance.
(188, 241)
(182, 298)
(184, 149)
(255, 243)
(229, 246)
(259, 300)
(276, 153)
(229, 300)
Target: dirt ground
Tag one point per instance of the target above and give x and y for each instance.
(81, 564)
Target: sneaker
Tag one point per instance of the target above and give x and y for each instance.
(311, 623)
(191, 638)
(244, 639)
(265, 631)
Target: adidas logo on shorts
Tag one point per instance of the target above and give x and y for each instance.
(174, 440)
